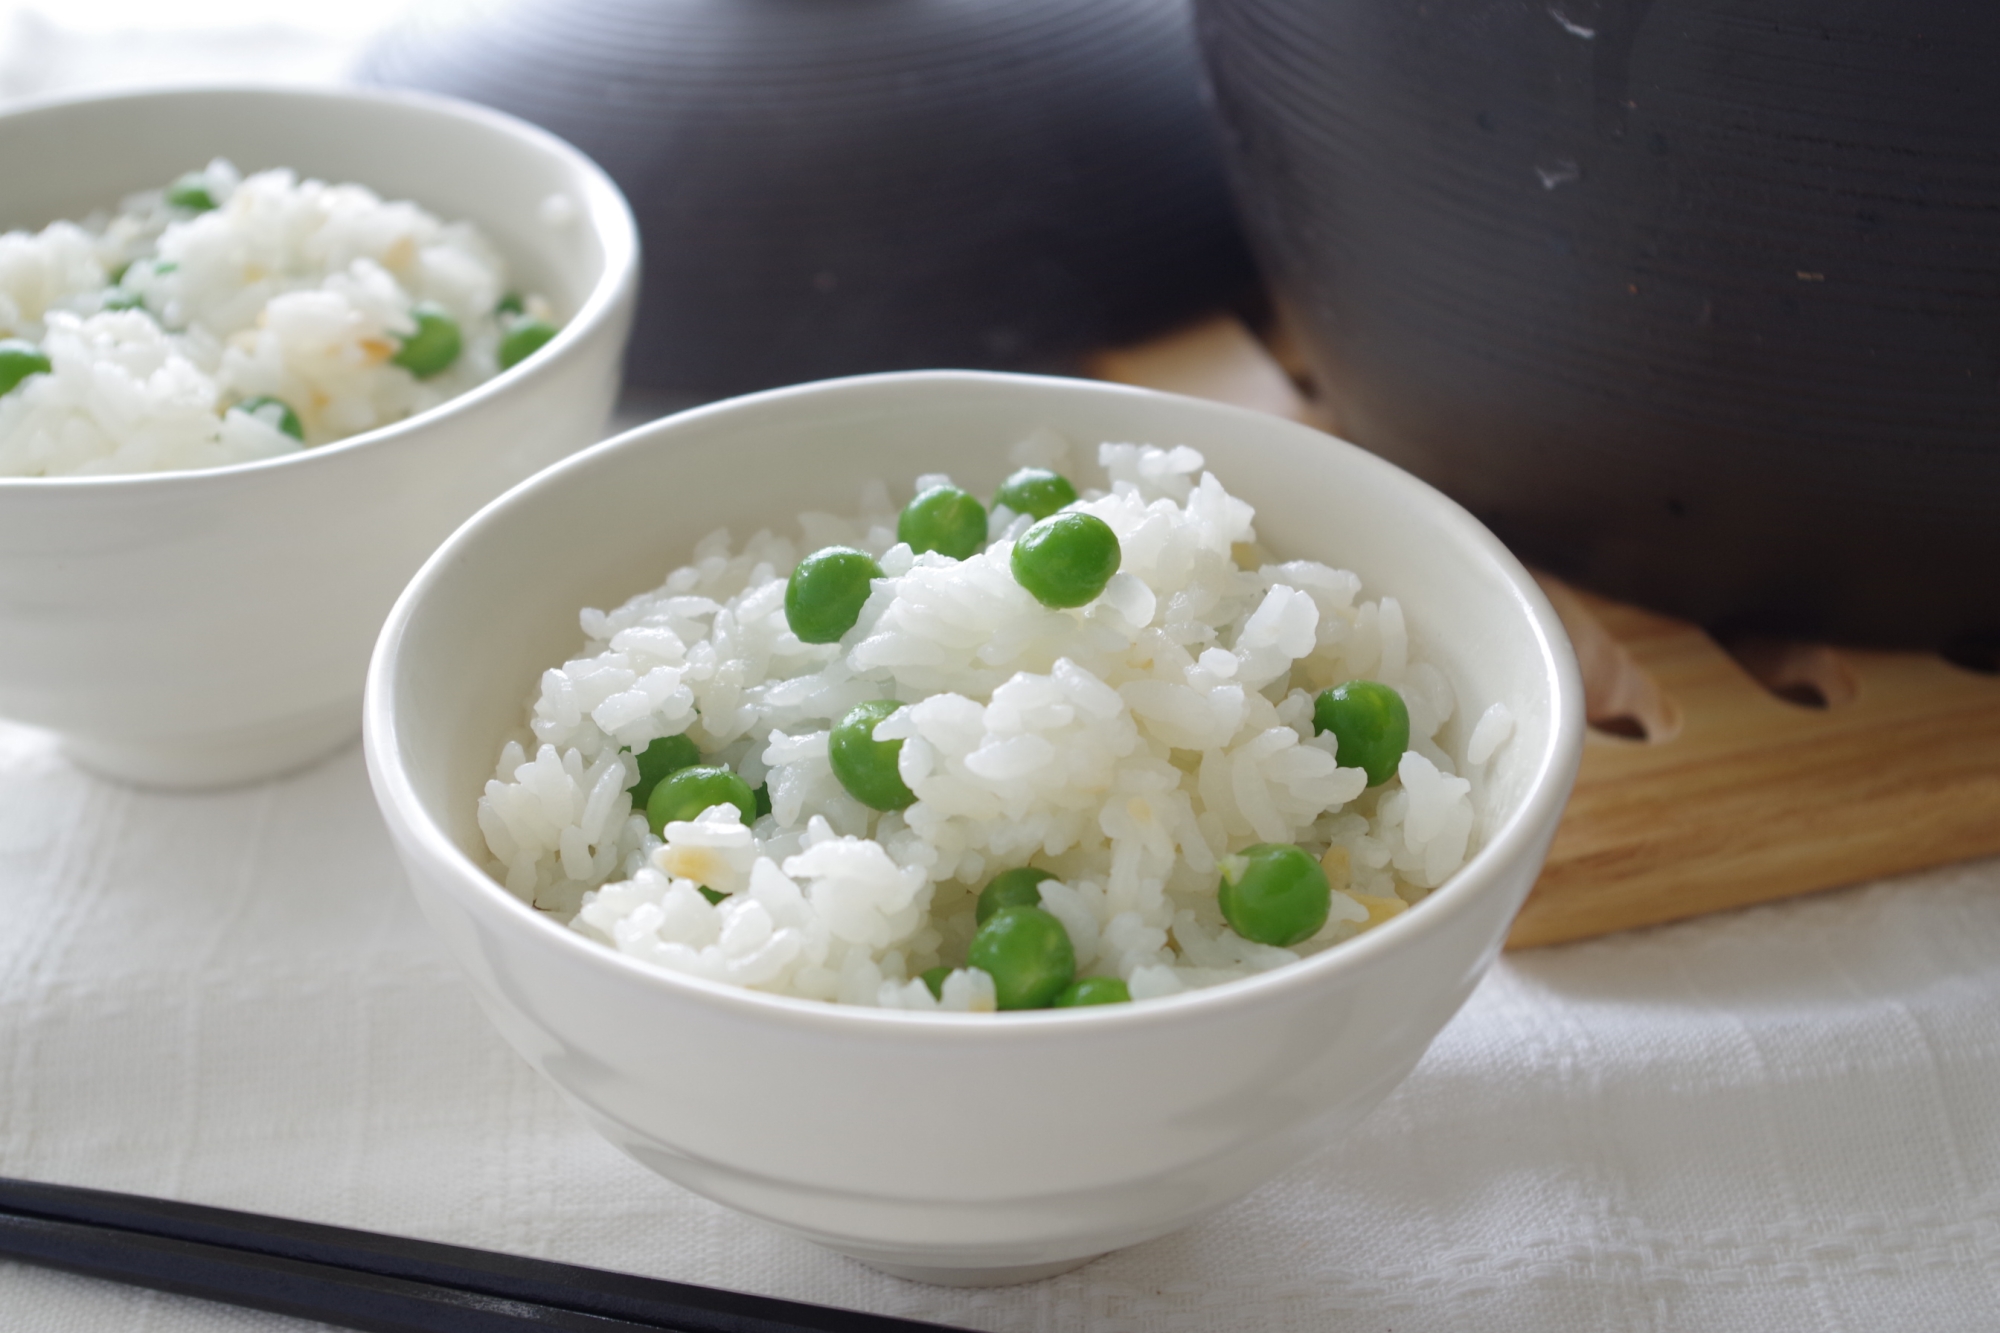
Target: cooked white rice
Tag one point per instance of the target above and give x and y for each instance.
(1125, 746)
(295, 290)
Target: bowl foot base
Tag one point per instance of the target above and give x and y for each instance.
(1008, 1276)
(221, 758)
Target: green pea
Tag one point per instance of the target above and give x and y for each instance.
(191, 192)
(433, 347)
(943, 519)
(763, 798)
(511, 304)
(1036, 491)
(160, 267)
(1066, 560)
(714, 896)
(1027, 953)
(1010, 888)
(1370, 723)
(523, 340)
(1273, 893)
(826, 592)
(1093, 990)
(18, 360)
(933, 977)
(683, 795)
(667, 755)
(864, 765)
(121, 297)
(273, 412)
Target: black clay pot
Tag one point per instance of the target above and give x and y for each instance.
(1694, 301)
(833, 186)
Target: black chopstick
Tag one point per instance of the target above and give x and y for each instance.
(364, 1280)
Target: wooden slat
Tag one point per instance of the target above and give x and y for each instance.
(1217, 359)
(1758, 798)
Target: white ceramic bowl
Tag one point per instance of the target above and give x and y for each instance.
(199, 628)
(988, 1147)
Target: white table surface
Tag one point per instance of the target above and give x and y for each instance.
(1786, 1118)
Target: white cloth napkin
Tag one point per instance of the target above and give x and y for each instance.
(1787, 1118)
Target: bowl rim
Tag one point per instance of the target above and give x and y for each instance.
(485, 896)
(604, 210)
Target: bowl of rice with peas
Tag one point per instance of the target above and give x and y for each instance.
(260, 350)
(972, 821)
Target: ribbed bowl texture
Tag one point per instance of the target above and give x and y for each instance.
(829, 188)
(1696, 302)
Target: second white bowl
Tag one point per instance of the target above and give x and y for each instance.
(200, 628)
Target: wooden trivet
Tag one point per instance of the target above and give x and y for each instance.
(1711, 779)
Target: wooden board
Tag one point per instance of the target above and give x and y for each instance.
(1712, 778)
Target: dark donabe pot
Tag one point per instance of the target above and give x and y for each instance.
(832, 186)
(1694, 301)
